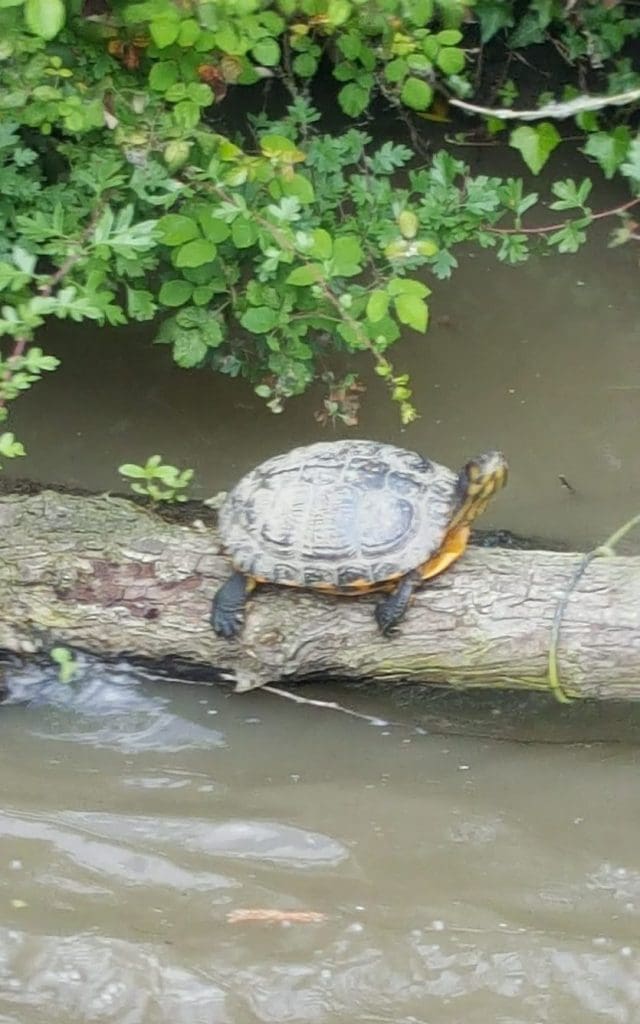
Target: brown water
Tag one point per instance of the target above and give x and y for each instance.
(461, 877)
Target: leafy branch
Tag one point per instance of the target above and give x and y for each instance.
(544, 229)
(47, 287)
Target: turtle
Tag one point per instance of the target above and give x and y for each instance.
(349, 517)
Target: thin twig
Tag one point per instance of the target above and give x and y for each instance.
(557, 227)
(329, 705)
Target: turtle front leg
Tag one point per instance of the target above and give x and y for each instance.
(227, 610)
(392, 608)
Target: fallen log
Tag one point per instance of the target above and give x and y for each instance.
(103, 575)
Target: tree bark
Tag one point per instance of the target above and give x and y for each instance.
(102, 575)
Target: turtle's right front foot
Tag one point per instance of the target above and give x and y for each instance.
(226, 622)
(227, 610)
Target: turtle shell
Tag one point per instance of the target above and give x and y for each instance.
(339, 515)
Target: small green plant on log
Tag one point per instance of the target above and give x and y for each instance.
(270, 251)
(158, 480)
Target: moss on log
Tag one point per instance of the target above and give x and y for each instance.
(103, 575)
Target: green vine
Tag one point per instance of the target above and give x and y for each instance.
(605, 550)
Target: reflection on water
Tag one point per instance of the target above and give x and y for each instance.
(456, 879)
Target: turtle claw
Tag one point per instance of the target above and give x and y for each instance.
(226, 623)
(393, 607)
(227, 612)
(386, 614)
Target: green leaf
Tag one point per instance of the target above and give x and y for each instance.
(203, 295)
(353, 99)
(347, 256)
(229, 41)
(396, 70)
(266, 52)
(570, 196)
(194, 254)
(412, 311)
(350, 45)
(322, 247)
(176, 92)
(535, 144)
(351, 334)
(377, 305)
(131, 470)
(200, 93)
(213, 228)
(277, 145)
(175, 292)
(305, 65)
(243, 233)
(514, 249)
(338, 12)
(408, 224)
(407, 286)
(176, 229)
(420, 12)
(309, 274)
(570, 237)
(163, 75)
(9, 447)
(609, 148)
(164, 32)
(451, 60)
(449, 37)
(530, 29)
(416, 94)
(140, 304)
(494, 15)
(260, 319)
(298, 186)
(189, 32)
(213, 334)
(189, 349)
(44, 18)
(631, 167)
(430, 47)
(176, 153)
(186, 115)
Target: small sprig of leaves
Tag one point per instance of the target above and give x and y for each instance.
(158, 481)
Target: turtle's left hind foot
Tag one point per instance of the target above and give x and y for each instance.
(227, 610)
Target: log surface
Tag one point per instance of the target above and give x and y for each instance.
(103, 575)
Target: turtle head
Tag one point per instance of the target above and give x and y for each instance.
(478, 481)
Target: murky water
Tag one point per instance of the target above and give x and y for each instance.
(455, 877)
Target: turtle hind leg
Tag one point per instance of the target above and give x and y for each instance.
(227, 610)
(391, 609)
